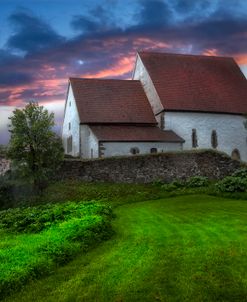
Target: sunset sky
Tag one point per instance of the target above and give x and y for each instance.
(43, 42)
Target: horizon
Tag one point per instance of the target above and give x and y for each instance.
(44, 43)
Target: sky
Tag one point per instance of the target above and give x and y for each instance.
(44, 42)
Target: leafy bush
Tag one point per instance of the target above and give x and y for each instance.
(66, 229)
(12, 191)
(232, 184)
(193, 182)
(197, 181)
(5, 192)
(158, 182)
(240, 173)
(176, 184)
(36, 219)
(3, 150)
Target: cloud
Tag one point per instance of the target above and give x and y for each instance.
(155, 13)
(103, 49)
(14, 79)
(31, 33)
(98, 19)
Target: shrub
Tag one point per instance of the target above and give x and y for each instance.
(197, 181)
(36, 219)
(240, 173)
(232, 184)
(176, 184)
(158, 182)
(5, 192)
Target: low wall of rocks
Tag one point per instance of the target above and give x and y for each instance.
(149, 168)
(4, 165)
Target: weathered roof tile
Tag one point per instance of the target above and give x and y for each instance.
(134, 133)
(111, 101)
(197, 83)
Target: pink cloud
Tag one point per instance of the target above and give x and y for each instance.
(123, 66)
(211, 52)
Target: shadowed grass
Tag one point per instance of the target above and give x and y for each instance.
(187, 248)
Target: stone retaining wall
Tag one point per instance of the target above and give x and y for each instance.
(149, 168)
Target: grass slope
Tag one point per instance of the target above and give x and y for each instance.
(187, 248)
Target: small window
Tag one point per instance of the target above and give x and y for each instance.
(236, 154)
(69, 104)
(153, 150)
(162, 121)
(214, 139)
(69, 126)
(194, 138)
(134, 150)
(69, 144)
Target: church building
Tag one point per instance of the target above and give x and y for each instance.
(173, 102)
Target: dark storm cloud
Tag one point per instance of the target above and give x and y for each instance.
(190, 6)
(14, 78)
(97, 20)
(155, 12)
(84, 24)
(6, 57)
(31, 33)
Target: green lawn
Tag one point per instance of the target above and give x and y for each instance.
(186, 248)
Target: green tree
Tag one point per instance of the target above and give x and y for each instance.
(35, 150)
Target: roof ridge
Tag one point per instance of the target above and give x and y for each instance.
(101, 79)
(184, 55)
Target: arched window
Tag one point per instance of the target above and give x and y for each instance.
(153, 150)
(162, 121)
(214, 139)
(134, 150)
(69, 144)
(194, 138)
(236, 154)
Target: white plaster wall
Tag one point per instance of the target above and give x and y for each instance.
(230, 129)
(71, 116)
(123, 148)
(141, 74)
(89, 143)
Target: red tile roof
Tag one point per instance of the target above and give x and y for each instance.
(134, 133)
(197, 83)
(111, 101)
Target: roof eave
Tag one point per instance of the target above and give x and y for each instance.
(199, 111)
(140, 141)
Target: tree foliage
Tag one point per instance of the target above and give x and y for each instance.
(3, 150)
(36, 151)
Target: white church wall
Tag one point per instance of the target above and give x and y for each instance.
(141, 74)
(231, 133)
(89, 143)
(123, 148)
(71, 125)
